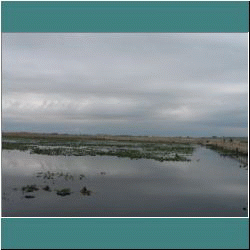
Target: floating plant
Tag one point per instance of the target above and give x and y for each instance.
(133, 150)
(81, 176)
(85, 191)
(47, 188)
(63, 192)
(30, 188)
(29, 196)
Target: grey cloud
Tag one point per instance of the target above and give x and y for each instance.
(140, 83)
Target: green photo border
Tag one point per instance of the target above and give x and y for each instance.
(126, 233)
(124, 16)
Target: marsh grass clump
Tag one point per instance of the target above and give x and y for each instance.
(68, 177)
(39, 174)
(63, 192)
(179, 158)
(30, 188)
(47, 188)
(59, 174)
(54, 175)
(15, 145)
(232, 153)
(129, 149)
(226, 152)
(85, 191)
(81, 176)
(46, 151)
(29, 196)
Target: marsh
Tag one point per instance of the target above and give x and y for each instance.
(207, 185)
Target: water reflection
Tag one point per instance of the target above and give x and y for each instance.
(209, 185)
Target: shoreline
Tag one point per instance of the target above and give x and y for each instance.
(236, 145)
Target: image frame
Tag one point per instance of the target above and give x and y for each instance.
(111, 233)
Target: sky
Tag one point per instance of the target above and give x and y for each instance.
(155, 84)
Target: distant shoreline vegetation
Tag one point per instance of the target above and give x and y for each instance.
(149, 138)
(133, 147)
(54, 144)
(158, 152)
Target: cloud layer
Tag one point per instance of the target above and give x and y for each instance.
(120, 83)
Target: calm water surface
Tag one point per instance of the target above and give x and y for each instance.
(209, 185)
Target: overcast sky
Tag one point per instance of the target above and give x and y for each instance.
(168, 84)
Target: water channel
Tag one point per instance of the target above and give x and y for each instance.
(207, 186)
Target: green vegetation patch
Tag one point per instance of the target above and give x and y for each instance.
(30, 188)
(226, 152)
(47, 188)
(15, 146)
(29, 196)
(85, 191)
(63, 192)
(132, 150)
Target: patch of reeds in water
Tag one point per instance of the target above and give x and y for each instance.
(155, 151)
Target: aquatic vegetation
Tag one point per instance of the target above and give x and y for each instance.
(226, 152)
(54, 175)
(30, 188)
(47, 188)
(63, 192)
(126, 149)
(81, 176)
(233, 153)
(39, 174)
(17, 145)
(29, 196)
(85, 191)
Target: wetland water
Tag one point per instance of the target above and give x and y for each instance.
(207, 186)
